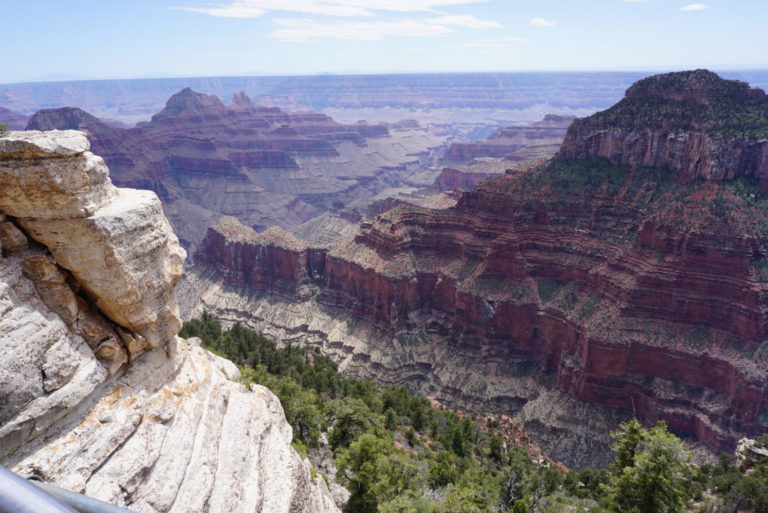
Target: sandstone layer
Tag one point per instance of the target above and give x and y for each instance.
(97, 394)
(116, 243)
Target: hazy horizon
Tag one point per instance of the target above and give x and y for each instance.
(77, 40)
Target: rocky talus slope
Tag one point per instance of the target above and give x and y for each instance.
(97, 393)
(572, 294)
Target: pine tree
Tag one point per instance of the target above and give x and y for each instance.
(653, 474)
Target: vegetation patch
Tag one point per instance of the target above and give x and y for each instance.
(547, 288)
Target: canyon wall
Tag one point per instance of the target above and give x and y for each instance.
(97, 393)
(537, 140)
(505, 297)
(574, 294)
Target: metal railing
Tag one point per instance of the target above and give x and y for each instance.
(31, 495)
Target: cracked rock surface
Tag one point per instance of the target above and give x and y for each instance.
(97, 393)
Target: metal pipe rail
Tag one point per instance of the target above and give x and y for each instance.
(31, 495)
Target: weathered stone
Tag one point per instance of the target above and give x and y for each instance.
(131, 263)
(34, 144)
(749, 454)
(11, 238)
(176, 435)
(108, 350)
(62, 361)
(133, 342)
(92, 325)
(169, 433)
(55, 188)
(38, 354)
(52, 286)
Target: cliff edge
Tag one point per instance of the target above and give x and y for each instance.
(97, 393)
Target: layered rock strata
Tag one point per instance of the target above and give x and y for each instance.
(572, 293)
(260, 164)
(97, 394)
(537, 140)
(505, 297)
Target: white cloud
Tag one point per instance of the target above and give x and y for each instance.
(541, 22)
(257, 8)
(306, 30)
(693, 7)
(233, 11)
(466, 21)
(505, 42)
(344, 8)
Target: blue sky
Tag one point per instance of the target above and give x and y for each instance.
(70, 39)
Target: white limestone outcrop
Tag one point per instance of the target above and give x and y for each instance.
(116, 242)
(126, 256)
(97, 394)
(174, 434)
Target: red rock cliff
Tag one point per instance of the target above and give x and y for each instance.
(623, 303)
(643, 289)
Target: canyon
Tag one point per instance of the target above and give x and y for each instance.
(100, 395)
(260, 164)
(572, 294)
(540, 139)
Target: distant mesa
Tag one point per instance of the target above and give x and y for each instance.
(188, 101)
(66, 118)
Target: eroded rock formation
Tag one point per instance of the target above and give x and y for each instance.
(97, 393)
(262, 165)
(572, 293)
